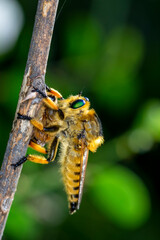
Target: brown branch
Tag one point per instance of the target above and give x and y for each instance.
(21, 131)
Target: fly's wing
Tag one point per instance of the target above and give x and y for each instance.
(73, 167)
(84, 160)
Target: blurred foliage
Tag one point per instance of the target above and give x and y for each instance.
(125, 199)
(110, 51)
(119, 63)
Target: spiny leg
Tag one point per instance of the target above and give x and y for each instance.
(37, 158)
(50, 98)
(21, 161)
(52, 149)
(32, 158)
(47, 100)
(38, 124)
(37, 147)
(54, 92)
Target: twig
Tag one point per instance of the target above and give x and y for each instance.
(21, 131)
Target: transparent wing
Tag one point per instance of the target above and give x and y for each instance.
(84, 160)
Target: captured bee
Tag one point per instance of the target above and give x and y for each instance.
(77, 128)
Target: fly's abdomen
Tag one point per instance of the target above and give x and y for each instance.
(71, 170)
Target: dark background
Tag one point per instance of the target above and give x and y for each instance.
(110, 50)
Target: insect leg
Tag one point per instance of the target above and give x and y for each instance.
(23, 117)
(53, 150)
(38, 124)
(21, 161)
(53, 92)
(49, 102)
(46, 99)
(34, 122)
(37, 159)
(37, 147)
(32, 158)
(49, 99)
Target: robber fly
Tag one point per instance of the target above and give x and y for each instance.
(78, 129)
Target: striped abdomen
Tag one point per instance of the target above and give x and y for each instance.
(71, 171)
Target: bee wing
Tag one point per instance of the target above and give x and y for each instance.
(84, 160)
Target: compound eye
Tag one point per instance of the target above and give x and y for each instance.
(77, 104)
(87, 99)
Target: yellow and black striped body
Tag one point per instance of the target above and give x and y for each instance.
(83, 133)
(78, 129)
(70, 169)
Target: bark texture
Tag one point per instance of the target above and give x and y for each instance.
(21, 130)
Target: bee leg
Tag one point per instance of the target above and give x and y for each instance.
(54, 92)
(53, 150)
(47, 100)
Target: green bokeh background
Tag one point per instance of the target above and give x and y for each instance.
(110, 50)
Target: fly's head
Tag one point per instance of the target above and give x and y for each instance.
(74, 105)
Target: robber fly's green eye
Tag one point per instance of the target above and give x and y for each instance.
(77, 104)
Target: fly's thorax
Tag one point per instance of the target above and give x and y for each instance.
(50, 117)
(72, 127)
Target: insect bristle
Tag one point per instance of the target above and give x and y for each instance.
(80, 93)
